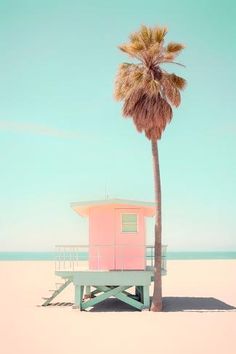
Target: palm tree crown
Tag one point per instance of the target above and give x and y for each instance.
(147, 90)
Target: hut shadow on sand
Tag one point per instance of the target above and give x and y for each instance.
(195, 304)
(170, 304)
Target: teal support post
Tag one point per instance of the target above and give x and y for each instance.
(146, 297)
(87, 289)
(78, 296)
(141, 294)
(138, 292)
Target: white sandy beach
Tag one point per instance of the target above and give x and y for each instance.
(197, 318)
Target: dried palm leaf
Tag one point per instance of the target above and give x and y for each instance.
(154, 52)
(134, 37)
(129, 107)
(146, 36)
(170, 91)
(168, 57)
(131, 49)
(174, 47)
(178, 81)
(128, 76)
(159, 33)
(162, 116)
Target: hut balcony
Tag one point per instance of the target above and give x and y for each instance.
(75, 258)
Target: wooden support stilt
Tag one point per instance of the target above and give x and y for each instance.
(87, 289)
(138, 292)
(79, 289)
(146, 297)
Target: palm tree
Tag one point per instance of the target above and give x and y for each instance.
(148, 93)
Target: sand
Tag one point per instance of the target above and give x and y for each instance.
(199, 316)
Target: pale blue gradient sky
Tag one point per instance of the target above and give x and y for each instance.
(63, 138)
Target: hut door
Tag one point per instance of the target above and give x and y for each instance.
(129, 239)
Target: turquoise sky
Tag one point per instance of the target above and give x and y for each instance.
(63, 138)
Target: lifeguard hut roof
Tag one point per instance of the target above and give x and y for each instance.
(83, 207)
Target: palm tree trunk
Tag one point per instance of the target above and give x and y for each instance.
(157, 294)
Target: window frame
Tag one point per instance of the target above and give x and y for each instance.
(137, 224)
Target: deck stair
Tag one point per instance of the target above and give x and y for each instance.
(56, 292)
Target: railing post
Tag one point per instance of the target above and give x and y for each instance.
(55, 261)
(152, 254)
(77, 257)
(122, 257)
(59, 258)
(98, 258)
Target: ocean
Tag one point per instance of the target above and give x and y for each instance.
(50, 256)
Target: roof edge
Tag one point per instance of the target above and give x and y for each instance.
(111, 201)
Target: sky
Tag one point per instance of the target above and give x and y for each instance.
(63, 138)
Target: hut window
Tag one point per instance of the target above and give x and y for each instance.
(129, 222)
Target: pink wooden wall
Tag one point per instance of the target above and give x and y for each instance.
(109, 248)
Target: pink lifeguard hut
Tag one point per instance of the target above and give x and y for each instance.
(120, 263)
(117, 233)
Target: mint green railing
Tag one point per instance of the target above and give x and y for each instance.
(75, 257)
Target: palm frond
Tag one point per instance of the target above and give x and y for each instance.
(131, 101)
(172, 62)
(178, 81)
(153, 87)
(174, 47)
(129, 49)
(145, 33)
(162, 116)
(150, 114)
(159, 33)
(170, 91)
(128, 77)
(168, 57)
(137, 47)
(154, 52)
(134, 37)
